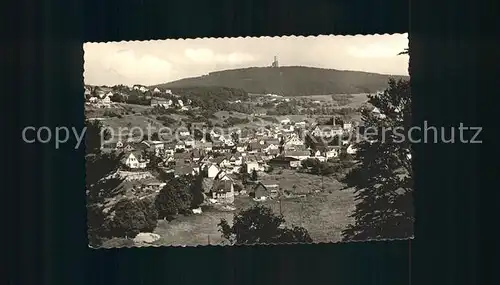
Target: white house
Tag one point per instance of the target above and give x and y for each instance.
(212, 171)
(168, 91)
(143, 89)
(327, 131)
(132, 161)
(351, 149)
(285, 121)
(347, 126)
(156, 90)
(181, 104)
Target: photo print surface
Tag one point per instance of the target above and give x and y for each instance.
(264, 140)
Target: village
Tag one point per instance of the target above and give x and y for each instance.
(241, 166)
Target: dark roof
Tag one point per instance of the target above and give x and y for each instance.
(273, 151)
(297, 153)
(255, 146)
(329, 127)
(222, 186)
(276, 142)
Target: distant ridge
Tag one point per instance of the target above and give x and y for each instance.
(289, 81)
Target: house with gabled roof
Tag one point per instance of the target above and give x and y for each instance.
(300, 155)
(213, 170)
(223, 188)
(327, 131)
(264, 190)
(134, 160)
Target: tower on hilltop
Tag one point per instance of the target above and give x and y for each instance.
(275, 62)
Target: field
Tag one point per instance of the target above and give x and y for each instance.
(303, 182)
(357, 100)
(324, 215)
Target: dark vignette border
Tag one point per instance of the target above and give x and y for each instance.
(45, 53)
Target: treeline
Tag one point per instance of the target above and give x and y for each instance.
(128, 217)
(290, 81)
(136, 98)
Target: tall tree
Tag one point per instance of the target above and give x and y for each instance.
(174, 198)
(383, 179)
(309, 142)
(259, 224)
(94, 131)
(255, 175)
(99, 184)
(235, 137)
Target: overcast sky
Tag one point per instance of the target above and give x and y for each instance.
(154, 62)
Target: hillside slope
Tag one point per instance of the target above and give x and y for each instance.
(289, 81)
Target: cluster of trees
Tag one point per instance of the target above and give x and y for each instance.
(259, 225)
(317, 167)
(135, 97)
(129, 217)
(283, 108)
(383, 178)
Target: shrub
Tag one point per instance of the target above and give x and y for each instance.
(130, 217)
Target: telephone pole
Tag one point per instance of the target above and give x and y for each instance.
(279, 197)
(322, 177)
(208, 236)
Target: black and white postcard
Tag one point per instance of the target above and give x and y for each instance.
(248, 141)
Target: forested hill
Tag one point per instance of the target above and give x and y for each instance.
(289, 81)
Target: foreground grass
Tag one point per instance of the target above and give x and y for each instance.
(324, 215)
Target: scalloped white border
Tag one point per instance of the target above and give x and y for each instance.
(255, 244)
